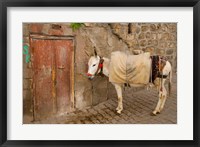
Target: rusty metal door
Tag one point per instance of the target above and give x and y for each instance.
(53, 76)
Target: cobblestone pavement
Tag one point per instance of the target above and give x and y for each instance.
(138, 106)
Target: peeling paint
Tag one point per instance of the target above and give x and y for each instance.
(26, 52)
(54, 88)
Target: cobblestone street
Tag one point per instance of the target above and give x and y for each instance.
(138, 105)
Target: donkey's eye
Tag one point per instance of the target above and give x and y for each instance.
(93, 64)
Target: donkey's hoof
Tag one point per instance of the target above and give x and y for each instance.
(119, 111)
(117, 108)
(154, 113)
(158, 112)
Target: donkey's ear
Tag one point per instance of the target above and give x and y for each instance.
(95, 52)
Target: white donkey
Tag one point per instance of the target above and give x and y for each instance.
(101, 65)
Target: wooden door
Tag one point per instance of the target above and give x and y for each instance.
(53, 76)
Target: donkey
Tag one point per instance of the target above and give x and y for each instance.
(100, 65)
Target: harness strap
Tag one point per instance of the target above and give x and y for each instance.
(157, 65)
(160, 75)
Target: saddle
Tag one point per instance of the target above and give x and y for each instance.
(130, 69)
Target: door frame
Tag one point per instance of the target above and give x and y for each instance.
(40, 36)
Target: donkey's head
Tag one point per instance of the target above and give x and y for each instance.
(93, 65)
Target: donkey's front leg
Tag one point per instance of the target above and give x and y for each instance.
(119, 95)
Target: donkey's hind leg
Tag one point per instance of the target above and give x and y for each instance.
(119, 95)
(164, 97)
(161, 99)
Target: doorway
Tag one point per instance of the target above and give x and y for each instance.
(53, 79)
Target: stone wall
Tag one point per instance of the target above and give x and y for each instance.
(158, 38)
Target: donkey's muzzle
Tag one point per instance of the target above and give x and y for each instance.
(89, 75)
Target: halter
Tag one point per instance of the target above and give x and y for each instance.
(100, 67)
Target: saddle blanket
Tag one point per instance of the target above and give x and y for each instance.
(132, 69)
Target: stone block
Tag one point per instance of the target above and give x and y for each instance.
(158, 27)
(99, 82)
(173, 37)
(164, 27)
(83, 91)
(80, 55)
(130, 37)
(148, 35)
(91, 24)
(155, 42)
(149, 49)
(141, 36)
(155, 27)
(82, 81)
(143, 43)
(172, 27)
(123, 32)
(144, 28)
(27, 94)
(137, 51)
(26, 65)
(152, 42)
(135, 29)
(99, 95)
(169, 51)
(170, 57)
(27, 103)
(164, 36)
(27, 73)
(160, 52)
(154, 36)
(83, 98)
(87, 97)
(162, 45)
(110, 40)
(56, 32)
(130, 44)
(26, 40)
(115, 25)
(67, 30)
(46, 28)
(25, 30)
(81, 67)
(27, 83)
(100, 90)
(135, 44)
(171, 45)
(36, 27)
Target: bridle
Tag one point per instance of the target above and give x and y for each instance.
(100, 67)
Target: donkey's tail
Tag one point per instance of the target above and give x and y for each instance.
(170, 82)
